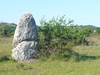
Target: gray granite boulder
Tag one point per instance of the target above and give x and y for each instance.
(25, 50)
(26, 30)
(25, 38)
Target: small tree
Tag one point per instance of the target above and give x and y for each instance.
(54, 37)
(57, 37)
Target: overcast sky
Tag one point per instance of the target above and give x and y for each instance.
(83, 12)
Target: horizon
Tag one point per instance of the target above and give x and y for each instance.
(82, 12)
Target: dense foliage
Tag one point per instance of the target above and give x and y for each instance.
(98, 29)
(7, 29)
(57, 37)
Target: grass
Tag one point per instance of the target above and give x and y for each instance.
(52, 67)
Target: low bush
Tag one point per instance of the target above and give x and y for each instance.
(56, 37)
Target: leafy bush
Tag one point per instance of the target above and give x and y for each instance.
(7, 29)
(98, 29)
(56, 37)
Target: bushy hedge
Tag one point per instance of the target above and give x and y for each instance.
(7, 29)
(57, 37)
(98, 29)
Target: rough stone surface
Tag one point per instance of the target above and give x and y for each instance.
(26, 29)
(24, 50)
(25, 38)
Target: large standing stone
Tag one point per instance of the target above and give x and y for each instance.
(25, 38)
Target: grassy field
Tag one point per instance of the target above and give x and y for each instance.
(52, 67)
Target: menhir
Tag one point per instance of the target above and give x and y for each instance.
(25, 38)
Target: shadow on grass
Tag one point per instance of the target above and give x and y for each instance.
(4, 58)
(75, 56)
(81, 57)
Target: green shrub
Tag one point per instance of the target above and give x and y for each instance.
(7, 29)
(98, 29)
(56, 37)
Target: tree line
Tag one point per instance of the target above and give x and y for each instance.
(7, 29)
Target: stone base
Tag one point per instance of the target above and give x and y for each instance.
(25, 50)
